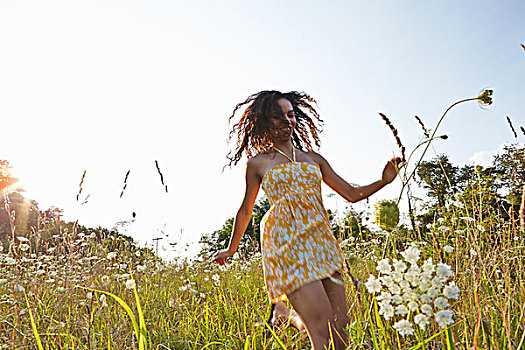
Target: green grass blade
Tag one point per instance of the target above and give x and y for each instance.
(450, 341)
(142, 323)
(33, 324)
(123, 304)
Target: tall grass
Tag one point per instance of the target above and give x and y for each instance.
(196, 305)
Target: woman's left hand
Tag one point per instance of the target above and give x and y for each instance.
(391, 169)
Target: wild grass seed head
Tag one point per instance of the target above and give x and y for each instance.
(161, 176)
(396, 136)
(512, 127)
(125, 183)
(80, 185)
(425, 130)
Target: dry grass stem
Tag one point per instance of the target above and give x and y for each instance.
(125, 183)
(161, 176)
(80, 185)
(396, 136)
(512, 127)
(522, 210)
(425, 130)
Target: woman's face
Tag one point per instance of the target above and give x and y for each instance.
(282, 121)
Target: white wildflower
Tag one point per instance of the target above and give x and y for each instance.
(394, 289)
(444, 228)
(427, 309)
(404, 327)
(424, 286)
(373, 285)
(432, 292)
(130, 284)
(473, 252)
(10, 261)
(441, 220)
(404, 284)
(22, 239)
(399, 266)
(444, 318)
(448, 249)
(444, 270)
(386, 310)
(440, 303)
(19, 288)
(451, 291)
(216, 278)
(413, 305)
(396, 276)
(383, 266)
(385, 297)
(421, 320)
(413, 274)
(436, 282)
(24, 247)
(137, 253)
(467, 219)
(89, 296)
(184, 288)
(428, 267)
(386, 280)
(410, 295)
(104, 279)
(411, 255)
(111, 255)
(425, 298)
(397, 299)
(426, 277)
(61, 289)
(481, 228)
(401, 310)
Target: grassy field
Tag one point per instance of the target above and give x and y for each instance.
(72, 292)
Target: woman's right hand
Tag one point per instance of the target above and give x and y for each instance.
(221, 256)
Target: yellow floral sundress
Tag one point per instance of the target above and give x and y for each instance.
(297, 244)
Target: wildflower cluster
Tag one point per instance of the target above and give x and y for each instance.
(408, 292)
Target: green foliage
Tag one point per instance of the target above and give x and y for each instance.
(387, 214)
(510, 167)
(251, 239)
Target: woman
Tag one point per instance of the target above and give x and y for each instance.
(301, 259)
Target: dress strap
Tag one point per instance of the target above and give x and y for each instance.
(284, 154)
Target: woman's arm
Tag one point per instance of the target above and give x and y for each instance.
(244, 214)
(355, 194)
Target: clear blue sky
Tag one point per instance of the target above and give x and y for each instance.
(111, 86)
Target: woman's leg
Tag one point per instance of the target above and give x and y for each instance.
(337, 295)
(313, 305)
(282, 314)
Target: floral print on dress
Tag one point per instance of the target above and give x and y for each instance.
(296, 240)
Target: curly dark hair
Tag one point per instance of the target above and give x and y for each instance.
(252, 129)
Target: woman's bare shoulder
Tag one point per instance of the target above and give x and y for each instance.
(316, 157)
